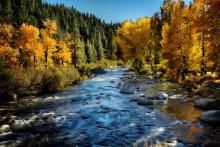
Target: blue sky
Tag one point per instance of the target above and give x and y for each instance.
(115, 10)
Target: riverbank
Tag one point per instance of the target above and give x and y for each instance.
(21, 82)
(203, 93)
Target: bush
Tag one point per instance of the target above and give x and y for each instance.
(58, 78)
(14, 81)
(32, 81)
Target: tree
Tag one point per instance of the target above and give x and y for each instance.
(20, 12)
(63, 54)
(201, 31)
(113, 51)
(49, 42)
(29, 44)
(176, 41)
(156, 37)
(134, 41)
(6, 35)
(80, 54)
(99, 48)
(76, 46)
(6, 11)
(211, 22)
(90, 52)
(8, 55)
(166, 10)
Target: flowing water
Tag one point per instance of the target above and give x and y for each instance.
(95, 113)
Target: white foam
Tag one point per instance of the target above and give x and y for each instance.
(39, 119)
(99, 79)
(177, 96)
(154, 132)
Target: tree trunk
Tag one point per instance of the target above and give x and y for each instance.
(46, 58)
(74, 58)
(34, 61)
(203, 64)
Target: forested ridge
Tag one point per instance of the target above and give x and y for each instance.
(90, 28)
(43, 47)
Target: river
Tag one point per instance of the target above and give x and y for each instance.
(95, 113)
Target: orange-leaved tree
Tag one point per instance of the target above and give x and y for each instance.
(8, 55)
(29, 44)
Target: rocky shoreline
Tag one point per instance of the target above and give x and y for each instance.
(136, 84)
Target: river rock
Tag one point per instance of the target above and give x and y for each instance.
(4, 128)
(162, 95)
(210, 89)
(206, 103)
(144, 102)
(127, 90)
(212, 116)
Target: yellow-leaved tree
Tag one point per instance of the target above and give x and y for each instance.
(134, 41)
(28, 42)
(212, 22)
(62, 55)
(176, 41)
(8, 55)
(48, 39)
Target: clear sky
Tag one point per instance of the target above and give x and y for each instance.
(115, 10)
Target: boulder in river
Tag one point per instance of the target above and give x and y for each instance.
(206, 103)
(144, 102)
(162, 95)
(127, 90)
(212, 116)
(4, 128)
(210, 89)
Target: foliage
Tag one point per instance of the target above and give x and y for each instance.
(27, 80)
(82, 26)
(134, 40)
(190, 39)
(57, 78)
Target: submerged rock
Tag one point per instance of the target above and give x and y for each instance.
(212, 116)
(206, 103)
(127, 90)
(144, 102)
(99, 71)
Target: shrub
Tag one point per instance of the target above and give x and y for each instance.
(14, 81)
(58, 78)
(31, 81)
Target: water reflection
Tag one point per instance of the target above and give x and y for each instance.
(182, 110)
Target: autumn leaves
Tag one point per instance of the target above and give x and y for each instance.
(29, 46)
(134, 40)
(188, 41)
(185, 38)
